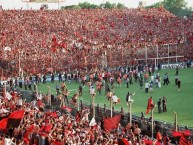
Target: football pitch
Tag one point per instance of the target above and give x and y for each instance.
(179, 101)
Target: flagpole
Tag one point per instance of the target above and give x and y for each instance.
(78, 104)
(168, 54)
(130, 111)
(93, 103)
(157, 54)
(146, 55)
(111, 105)
(176, 123)
(152, 122)
(49, 95)
(19, 63)
(36, 88)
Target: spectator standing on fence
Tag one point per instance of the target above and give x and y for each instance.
(114, 99)
(128, 97)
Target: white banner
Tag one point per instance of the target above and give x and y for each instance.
(172, 65)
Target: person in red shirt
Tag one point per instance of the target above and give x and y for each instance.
(166, 140)
(159, 136)
(150, 105)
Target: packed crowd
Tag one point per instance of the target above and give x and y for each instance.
(39, 126)
(69, 39)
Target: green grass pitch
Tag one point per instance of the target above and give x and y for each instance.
(180, 102)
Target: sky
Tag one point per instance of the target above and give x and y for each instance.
(18, 4)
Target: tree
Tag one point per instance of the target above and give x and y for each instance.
(174, 6)
(120, 6)
(108, 5)
(156, 5)
(86, 5)
(177, 7)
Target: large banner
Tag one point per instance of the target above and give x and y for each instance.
(179, 64)
(172, 65)
(43, 1)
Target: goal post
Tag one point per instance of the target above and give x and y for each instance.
(167, 53)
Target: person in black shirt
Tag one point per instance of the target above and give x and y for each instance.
(164, 100)
(20, 82)
(80, 90)
(44, 79)
(179, 85)
(159, 106)
(177, 70)
(60, 77)
(52, 78)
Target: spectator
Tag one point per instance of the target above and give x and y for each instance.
(146, 87)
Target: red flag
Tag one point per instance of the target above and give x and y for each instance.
(67, 108)
(26, 135)
(57, 143)
(112, 123)
(147, 141)
(3, 124)
(176, 134)
(179, 134)
(30, 128)
(158, 143)
(125, 141)
(54, 115)
(183, 141)
(46, 128)
(186, 132)
(18, 114)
